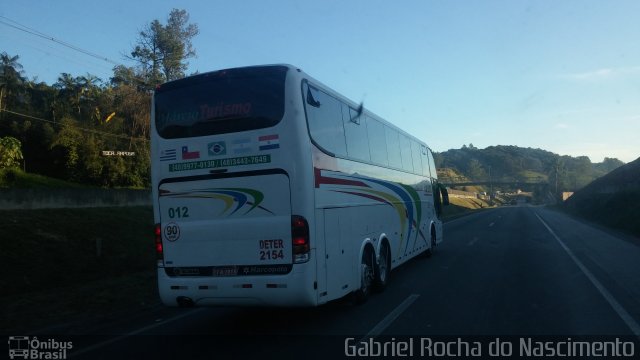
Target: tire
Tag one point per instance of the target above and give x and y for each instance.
(432, 249)
(383, 269)
(366, 278)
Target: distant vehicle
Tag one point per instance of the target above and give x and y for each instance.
(271, 189)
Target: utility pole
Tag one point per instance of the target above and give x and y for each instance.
(490, 187)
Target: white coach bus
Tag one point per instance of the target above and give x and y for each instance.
(269, 188)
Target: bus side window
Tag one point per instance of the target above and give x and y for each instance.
(425, 161)
(405, 152)
(377, 142)
(355, 134)
(417, 155)
(432, 164)
(393, 147)
(324, 115)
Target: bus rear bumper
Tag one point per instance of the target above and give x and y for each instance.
(291, 290)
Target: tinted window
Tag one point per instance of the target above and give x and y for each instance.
(432, 165)
(393, 147)
(220, 102)
(324, 114)
(405, 152)
(425, 160)
(355, 129)
(377, 141)
(416, 155)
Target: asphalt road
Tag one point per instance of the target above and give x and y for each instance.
(513, 271)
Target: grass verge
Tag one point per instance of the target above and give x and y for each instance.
(459, 206)
(618, 210)
(16, 178)
(59, 265)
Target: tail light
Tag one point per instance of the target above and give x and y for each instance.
(159, 252)
(300, 239)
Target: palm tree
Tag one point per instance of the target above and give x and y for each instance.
(90, 91)
(11, 78)
(70, 88)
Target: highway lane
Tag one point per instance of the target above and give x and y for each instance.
(510, 271)
(503, 272)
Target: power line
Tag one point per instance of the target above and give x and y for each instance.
(120, 136)
(24, 28)
(18, 26)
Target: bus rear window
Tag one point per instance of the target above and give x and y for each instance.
(220, 102)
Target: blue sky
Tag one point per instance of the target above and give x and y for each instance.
(563, 76)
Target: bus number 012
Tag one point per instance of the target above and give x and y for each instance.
(180, 212)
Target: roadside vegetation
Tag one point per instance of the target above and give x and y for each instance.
(61, 130)
(612, 200)
(62, 265)
(16, 178)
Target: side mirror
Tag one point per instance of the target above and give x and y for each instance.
(445, 195)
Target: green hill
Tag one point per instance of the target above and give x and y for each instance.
(513, 163)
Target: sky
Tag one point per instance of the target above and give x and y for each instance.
(563, 76)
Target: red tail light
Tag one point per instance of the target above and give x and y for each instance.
(158, 238)
(300, 239)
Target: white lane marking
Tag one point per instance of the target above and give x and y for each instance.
(468, 216)
(391, 317)
(135, 332)
(624, 315)
(473, 241)
(490, 225)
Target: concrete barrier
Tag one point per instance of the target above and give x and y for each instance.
(72, 198)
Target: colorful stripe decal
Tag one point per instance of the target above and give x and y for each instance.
(365, 196)
(320, 179)
(402, 198)
(408, 207)
(228, 196)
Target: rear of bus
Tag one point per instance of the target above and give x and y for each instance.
(230, 153)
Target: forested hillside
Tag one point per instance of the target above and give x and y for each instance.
(63, 128)
(517, 163)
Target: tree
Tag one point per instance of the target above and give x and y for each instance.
(475, 170)
(11, 79)
(67, 144)
(610, 164)
(70, 90)
(162, 50)
(557, 174)
(10, 152)
(124, 75)
(133, 106)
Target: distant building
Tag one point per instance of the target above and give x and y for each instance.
(566, 195)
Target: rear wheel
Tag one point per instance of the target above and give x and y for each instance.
(432, 249)
(383, 268)
(366, 276)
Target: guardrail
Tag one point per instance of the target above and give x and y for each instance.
(72, 198)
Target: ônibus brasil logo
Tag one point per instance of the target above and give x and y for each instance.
(25, 347)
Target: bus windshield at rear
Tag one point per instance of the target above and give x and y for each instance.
(220, 102)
